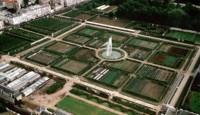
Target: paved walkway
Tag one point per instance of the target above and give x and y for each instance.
(184, 30)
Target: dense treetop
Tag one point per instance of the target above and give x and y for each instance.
(154, 11)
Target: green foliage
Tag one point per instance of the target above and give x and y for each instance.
(48, 26)
(197, 2)
(165, 14)
(95, 99)
(55, 87)
(194, 103)
(2, 107)
(78, 107)
(133, 105)
(27, 35)
(12, 44)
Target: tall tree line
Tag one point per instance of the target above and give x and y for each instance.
(161, 13)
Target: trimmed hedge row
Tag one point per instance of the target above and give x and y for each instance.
(55, 87)
(133, 105)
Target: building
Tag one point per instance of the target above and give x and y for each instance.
(57, 4)
(13, 4)
(73, 2)
(26, 14)
(9, 94)
(16, 82)
(2, 78)
(1, 24)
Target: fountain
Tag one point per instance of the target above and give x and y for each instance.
(109, 53)
(109, 47)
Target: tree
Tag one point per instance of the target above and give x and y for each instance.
(176, 16)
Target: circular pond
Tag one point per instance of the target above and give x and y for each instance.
(116, 55)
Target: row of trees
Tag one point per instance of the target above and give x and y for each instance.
(154, 11)
(2, 107)
(197, 2)
(164, 14)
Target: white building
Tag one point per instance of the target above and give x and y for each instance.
(73, 2)
(1, 24)
(28, 14)
(57, 4)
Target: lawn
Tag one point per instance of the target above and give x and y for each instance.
(194, 103)
(183, 36)
(78, 107)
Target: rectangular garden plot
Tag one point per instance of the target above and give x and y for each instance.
(138, 42)
(77, 39)
(72, 66)
(171, 55)
(158, 74)
(13, 44)
(96, 37)
(117, 38)
(165, 59)
(89, 31)
(27, 35)
(137, 53)
(60, 47)
(96, 43)
(84, 55)
(146, 89)
(84, 16)
(179, 51)
(183, 36)
(108, 76)
(43, 57)
(77, 14)
(125, 65)
(110, 21)
(48, 26)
